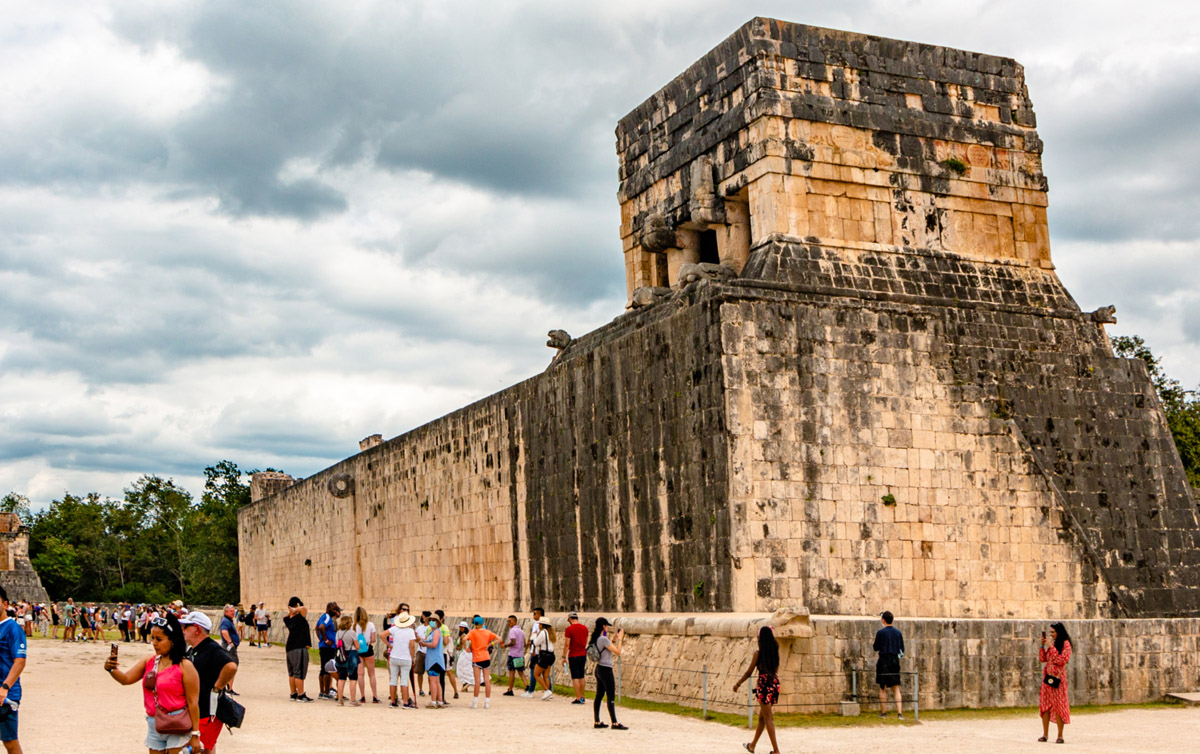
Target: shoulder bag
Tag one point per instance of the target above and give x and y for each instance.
(229, 711)
(164, 721)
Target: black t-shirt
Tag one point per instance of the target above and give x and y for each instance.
(210, 660)
(299, 636)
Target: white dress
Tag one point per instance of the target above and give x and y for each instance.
(463, 669)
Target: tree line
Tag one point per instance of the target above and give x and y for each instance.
(1181, 406)
(154, 545)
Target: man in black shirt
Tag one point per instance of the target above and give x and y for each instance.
(299, 639)
(216, 670)
(889, 643)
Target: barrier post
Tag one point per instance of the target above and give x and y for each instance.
(854, 684)
(916, 696)
(704, 690)
(750, 705)
(618, 679)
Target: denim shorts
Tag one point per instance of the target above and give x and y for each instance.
(163, 741)
(8, 726)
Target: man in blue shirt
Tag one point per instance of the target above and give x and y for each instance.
(230, 638)
(889, 643)
(12, 662)
(327, 646)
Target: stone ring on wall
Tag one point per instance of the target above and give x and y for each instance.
(341, 485)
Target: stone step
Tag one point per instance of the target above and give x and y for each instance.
(1190, 697)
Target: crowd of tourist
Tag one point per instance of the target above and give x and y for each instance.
(189, 675)
(428, 657)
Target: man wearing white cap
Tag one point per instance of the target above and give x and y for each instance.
(215, 668)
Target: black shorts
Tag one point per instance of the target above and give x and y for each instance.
(513, 667)
(545, 659)
(369, 653)
(483, 664)
(327, 654)
(578, 667)
(887, 671)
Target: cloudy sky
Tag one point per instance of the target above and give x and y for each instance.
(263, 231)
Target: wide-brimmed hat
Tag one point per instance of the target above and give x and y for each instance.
(404, 620)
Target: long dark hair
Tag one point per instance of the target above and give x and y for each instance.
(174, 633)
(599, 629)
(768, 652)
(1061, 637)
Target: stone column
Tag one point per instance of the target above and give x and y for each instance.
(735, 246)
(687, 253)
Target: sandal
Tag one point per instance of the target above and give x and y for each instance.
(1060, 741)
(747, 748)
(1042, 740)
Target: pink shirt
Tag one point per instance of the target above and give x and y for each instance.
(168, 684)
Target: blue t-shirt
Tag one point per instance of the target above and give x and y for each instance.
(326, 631)
(12, 646)
(889, 641)
(434, 655)
(227, 625)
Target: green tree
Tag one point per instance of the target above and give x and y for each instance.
(1181, 406)
(58, 566)
(163, 508)
(16, 503)
(155, 544)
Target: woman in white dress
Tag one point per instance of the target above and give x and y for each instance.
(463, 664)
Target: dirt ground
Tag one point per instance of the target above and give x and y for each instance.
(72, 705)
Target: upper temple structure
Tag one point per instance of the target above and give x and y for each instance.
(852, 143)
(848, 379)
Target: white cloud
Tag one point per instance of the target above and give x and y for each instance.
(230, 231)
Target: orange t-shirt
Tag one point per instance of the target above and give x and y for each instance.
(479, 639)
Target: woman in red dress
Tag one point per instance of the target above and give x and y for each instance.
(766, 690)
(1052, 700)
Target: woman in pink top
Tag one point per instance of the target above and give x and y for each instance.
(168, 681)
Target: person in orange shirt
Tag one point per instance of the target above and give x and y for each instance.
(481, 641)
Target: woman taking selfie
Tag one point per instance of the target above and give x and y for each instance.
(766, 690)
(170, 688)
(1052, 699)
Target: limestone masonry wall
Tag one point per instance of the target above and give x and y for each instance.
(599, 484)
(875, 394)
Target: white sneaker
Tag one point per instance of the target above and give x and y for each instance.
(487, 703)
(475, 703)
(547, 696)
(527, 695)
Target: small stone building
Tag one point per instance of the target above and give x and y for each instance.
(16, 573)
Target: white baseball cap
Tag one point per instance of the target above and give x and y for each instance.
(196, 618)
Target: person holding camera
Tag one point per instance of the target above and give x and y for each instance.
(603, 650)
(1054, 653)
(170, 688)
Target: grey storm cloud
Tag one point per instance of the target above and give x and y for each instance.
(402, 197)
(1124, 166)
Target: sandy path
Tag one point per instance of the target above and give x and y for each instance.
(72, 705)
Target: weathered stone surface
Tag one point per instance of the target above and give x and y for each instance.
(889, 401)
(847, 139)
(17, 576)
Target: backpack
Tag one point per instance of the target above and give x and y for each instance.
(340, 658)
(593, 653)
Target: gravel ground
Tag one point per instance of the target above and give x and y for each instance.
(72, 705)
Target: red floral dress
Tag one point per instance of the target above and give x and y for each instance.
(1055, 700)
